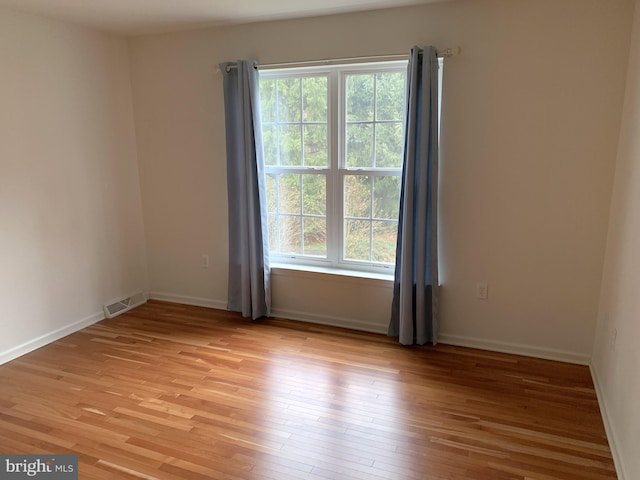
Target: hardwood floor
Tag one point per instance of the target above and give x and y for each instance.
(175, 392)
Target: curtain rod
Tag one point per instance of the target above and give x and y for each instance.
(442, 53)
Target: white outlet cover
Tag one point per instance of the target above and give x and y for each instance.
(482, 290)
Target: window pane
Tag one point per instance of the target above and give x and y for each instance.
(289, 193)
(385, 235)
(314, 98)
(288, 100)
(315, 237)
(316, 148)
(359, 98)
(273, 233)
(268, 100)
(359, 145)
(389, 145)
(298, 132)
(390, 96)
(290, 145)
(272, 193)
(270, 144)
(357, 240)
(386, 197)
(357, 196)
(290, 234)
(314, 194)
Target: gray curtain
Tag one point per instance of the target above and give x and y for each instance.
(249, 283)
(414, 311)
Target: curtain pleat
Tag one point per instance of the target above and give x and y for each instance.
(249, 282)
(414, 311)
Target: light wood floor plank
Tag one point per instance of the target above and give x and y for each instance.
(173, 392)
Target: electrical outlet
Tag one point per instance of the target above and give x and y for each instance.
(204, 261)
(482, 290)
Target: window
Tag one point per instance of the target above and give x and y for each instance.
(333, 141)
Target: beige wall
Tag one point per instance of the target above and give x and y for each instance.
(616, 356)
(71, 235)
(530, 124)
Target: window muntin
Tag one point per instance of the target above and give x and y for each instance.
(333, 139)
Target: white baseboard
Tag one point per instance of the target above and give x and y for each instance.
(343, 322)
(329, 320)
(276, 312)
(608, 426)
(47, 338)
(515, 348)
(186, 300)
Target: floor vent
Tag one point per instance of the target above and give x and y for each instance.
(120, 306)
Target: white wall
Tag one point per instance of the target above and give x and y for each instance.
(530, 126)
(616, 356)
(71, 231)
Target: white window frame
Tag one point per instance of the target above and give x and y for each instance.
(337, 170)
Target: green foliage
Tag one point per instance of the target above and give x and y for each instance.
(365, 231)
(359, 145)
(297, 213)
(290, 240)
(290, 145)
(288, 100)
(374, 123)
(295, 134)
(390, 96)
(386, 197)
(316, 148)
(314, 99)
(385, 235)
(357, 236)
(389, 145)
(289, 190)
(357, 196)
(272, 219)
(272, 189)
(315, 236)
(314, 198)
(267, 101)
(360, 98)
(270, 144)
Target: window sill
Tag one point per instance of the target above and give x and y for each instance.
(289, 269)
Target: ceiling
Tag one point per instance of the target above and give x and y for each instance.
(136, 17)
